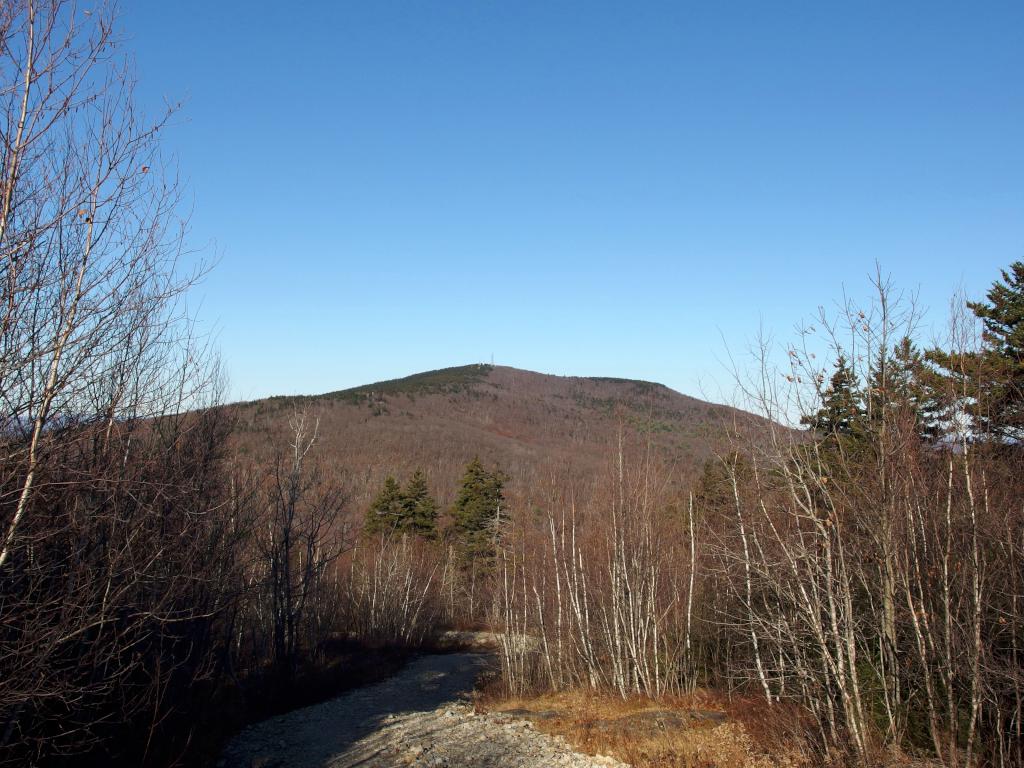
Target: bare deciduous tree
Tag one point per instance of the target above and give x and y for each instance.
(113, 558)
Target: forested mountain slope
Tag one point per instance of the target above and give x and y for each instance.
(539, 429)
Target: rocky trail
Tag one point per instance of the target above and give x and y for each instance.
(419, 717)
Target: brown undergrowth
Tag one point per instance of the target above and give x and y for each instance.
(700, 730)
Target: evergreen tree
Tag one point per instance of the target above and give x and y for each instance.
(386, 512)
(478, 512)
(992, 380)
(1003, 340)
(842, 404)
(419, 510)
(901, 386)
(714, 488)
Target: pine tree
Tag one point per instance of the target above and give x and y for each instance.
(386, 512)
(478, 512)
(419, 510)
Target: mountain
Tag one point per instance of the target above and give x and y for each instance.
(542, 430)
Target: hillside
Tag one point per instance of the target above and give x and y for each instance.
(538, 428)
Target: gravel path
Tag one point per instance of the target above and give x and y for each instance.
(419, 717)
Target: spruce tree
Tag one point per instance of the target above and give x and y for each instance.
(478, 512)
(992, 380)
(386, 512)
(842, 404)
(419, 510)
(1003, 341)
(902, 385)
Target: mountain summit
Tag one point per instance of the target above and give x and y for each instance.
(530, 424)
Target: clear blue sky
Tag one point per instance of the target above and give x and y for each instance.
(576, 187)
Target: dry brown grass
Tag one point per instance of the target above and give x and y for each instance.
(697, 731)
(716, 732)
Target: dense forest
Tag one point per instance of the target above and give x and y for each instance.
(843, 548)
